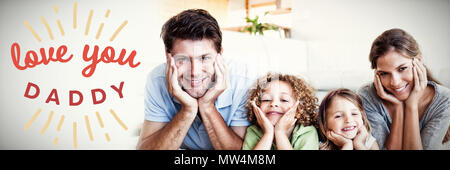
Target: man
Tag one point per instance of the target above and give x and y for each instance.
(194, 101)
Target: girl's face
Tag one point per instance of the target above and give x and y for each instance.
(277, 98)
(396, 74)
(343, 117)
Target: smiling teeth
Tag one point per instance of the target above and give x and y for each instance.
(400, 89)
(349, 128)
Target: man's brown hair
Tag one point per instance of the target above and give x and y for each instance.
(192, 24)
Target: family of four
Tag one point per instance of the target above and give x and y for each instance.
(196, 100)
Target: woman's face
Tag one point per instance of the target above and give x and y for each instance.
(343, 117)
(395, 71)
(277, 98)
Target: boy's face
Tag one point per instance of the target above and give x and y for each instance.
(343, 117)
(277, 98)
(194, 60)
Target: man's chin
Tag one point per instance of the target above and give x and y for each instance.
(196, 93)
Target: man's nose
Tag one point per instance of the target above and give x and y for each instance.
(196, 68)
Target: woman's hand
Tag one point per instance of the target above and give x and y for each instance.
(339, 140)
(360, 138)
(420, 83)
(383, 94)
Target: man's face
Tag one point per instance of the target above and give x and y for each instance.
(194, 60)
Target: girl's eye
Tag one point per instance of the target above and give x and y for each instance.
(337, 116)
(265, 100)
(402, 69)
(355, 113)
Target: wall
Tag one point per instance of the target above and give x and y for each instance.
(339, 34)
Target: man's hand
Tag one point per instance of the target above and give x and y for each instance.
(188, 103)
(220, 85)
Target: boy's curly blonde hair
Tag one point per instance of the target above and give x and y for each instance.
(302, 91)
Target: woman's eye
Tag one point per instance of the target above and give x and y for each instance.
(283, 100)
(402, 68)
(382, 74)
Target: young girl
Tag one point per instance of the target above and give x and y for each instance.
(282, 110)
(343, 122)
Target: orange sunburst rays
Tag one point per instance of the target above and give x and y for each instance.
(59, 23)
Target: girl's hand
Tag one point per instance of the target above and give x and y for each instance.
(360, 138)
(339, 140)
(287, 120)
(262, 120)
(382, 93)
(420, 83)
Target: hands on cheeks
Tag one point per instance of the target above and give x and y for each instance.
(420, 82)
(221, 83)
(262, 120)
(357, 143)
(188, 102)
(382, 93)
(174, 88)
(288, 120)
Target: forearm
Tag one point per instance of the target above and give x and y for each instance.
(282, 141)
(395, 138)
(220, 135)
(265, 143)
(172, 135)
(411, 135)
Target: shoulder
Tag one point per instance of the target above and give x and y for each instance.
(367, 91)
(302, 130)
(442, 98)
(158, 72)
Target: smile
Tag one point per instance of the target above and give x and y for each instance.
(274, 113)
(349, 128)
(400, 90)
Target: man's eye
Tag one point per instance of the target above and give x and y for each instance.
(204, 58)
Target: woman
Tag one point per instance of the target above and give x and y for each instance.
(406, 106)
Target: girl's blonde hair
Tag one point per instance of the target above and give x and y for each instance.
(326, 102)
(302, 91)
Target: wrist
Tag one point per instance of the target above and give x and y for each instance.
(191, 110)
